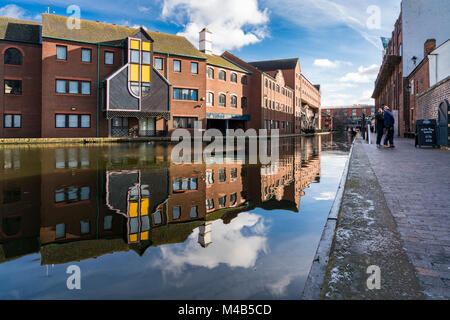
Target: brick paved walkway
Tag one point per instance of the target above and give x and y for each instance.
(416, 186)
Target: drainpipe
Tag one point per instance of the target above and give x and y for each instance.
(98, 87)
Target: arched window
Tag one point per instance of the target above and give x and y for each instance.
(233, 103)
(222, 100)
(209, 99)
(244, 79)
(222, 75)
(210, 73)
(233, 77)
(13, 56)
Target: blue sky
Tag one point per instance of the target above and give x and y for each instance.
(338, 42)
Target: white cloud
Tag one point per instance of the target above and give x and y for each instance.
(324, 196)
(230, 246)
(364, 75)
(355, 14)
(234, 23)
(13, 11)
(143, 9)
(325, 63)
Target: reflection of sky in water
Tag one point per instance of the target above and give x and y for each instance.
(259, 255)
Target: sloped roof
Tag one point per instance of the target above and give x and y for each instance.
(55, 26)
(271, 65)
(20, 30)
(218, 61)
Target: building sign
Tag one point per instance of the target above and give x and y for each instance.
(225, 116)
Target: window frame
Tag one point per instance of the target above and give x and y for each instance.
(90, 55)
(208, 95)
(13, 64)
(208, 70)
(79, 121)
(178, 62)
(104, 58)
(65, 48)
(224, 105)
(224, 73)
(162, 64)
(15, 94)
(196, 66)
(12, 115)
(234, 77)
(235, 105)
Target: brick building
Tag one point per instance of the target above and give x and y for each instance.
(339, 117)
(20, 74)
(403, 73)
(105, 80)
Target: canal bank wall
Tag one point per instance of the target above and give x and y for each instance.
(362, 238)
(14, 141)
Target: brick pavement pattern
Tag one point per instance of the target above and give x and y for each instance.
(416, 186)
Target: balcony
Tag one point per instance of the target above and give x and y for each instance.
(390, 61)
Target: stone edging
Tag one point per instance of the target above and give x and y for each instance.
(316, 277)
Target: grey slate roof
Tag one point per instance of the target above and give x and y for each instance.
(272, 65)
(12, 29)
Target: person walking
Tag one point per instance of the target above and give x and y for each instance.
(389, 123)
(379, 126)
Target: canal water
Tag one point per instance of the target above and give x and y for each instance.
(133, 225)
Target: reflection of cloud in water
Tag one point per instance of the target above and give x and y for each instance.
(231, 245)
(324, 196)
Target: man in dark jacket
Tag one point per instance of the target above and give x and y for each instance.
(389, 123)
(379, 125)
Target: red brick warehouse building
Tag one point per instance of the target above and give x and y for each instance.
(106, 80)
(20, 74)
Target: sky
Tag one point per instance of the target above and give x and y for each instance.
(338, 42)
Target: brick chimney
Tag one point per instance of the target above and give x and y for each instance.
(428, 47)
(205, 41)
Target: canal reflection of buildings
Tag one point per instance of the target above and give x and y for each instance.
(82, 202)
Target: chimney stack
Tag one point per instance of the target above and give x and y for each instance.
(428, 47)
(205, 41)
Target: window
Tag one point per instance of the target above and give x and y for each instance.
(85, 227)
(86, 55)
(72, 121)
(233, 103)
(72, 194)
(233, 199)
(266, 83)
(244, 102)
(354, 112)
(13, 87)
(157, 218)
(61, 86)
(209, 177)
(209, 99)
(244, 80)
(209, 204)
(176, 66)
(109, 58)
(12, 121)
(222, 75)
(222, 202)
(61, 52)
(194, 67)
(222, 175)
(158, 63)
(222, 100)
(73, 87)
(185, 94)
(13, 56)
(135, 56)
(233, 77)
(85, 87)
(194, 212)
(60, 231)
(107, 223)
(183, 122)
(210, 73)
(11, 196)
(176, 213)
(146, 57)
(233, 173)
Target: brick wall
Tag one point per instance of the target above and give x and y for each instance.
(429, 101)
